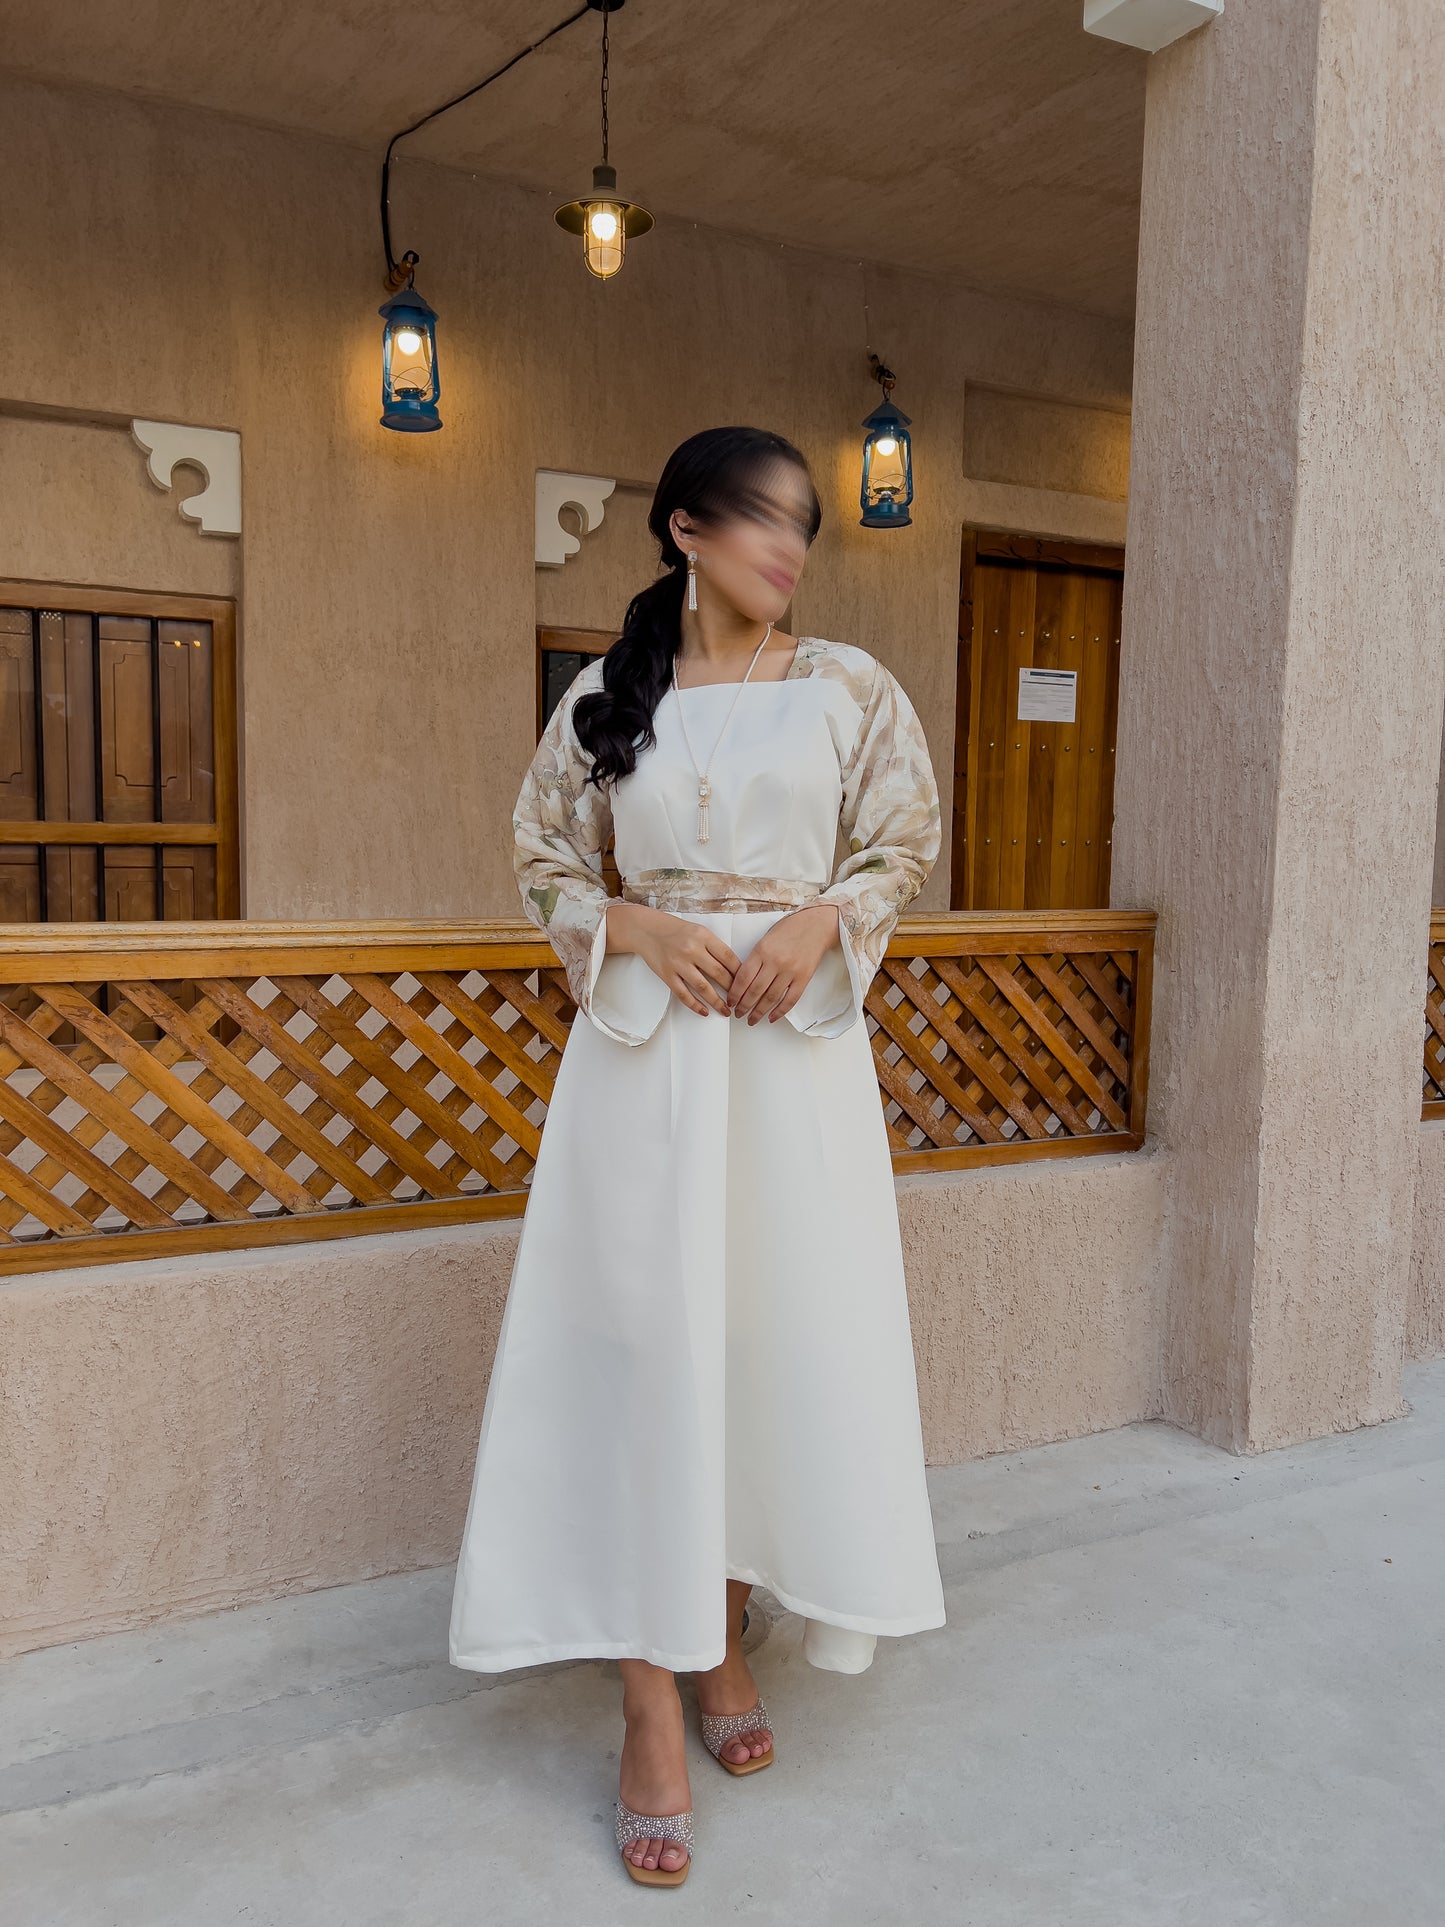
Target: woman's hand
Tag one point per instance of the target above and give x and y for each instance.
(780, 965)
(695, 964)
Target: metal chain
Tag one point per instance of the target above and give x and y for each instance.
(606, 16)
(704, 787)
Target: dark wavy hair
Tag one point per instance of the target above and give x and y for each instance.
(712, 476)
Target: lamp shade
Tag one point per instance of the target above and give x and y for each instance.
(410, 385)
(605, 221)
(887, 490)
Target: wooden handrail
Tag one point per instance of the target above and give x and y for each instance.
(172, 1087)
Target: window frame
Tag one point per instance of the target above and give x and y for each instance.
(224, 834)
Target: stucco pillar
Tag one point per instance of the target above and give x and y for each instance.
(1283, 675)
(1438, 892)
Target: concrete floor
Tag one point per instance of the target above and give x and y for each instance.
(1175, 1687)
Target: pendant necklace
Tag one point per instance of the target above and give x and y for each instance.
(704, 788)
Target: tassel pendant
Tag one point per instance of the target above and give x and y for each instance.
(704, 788)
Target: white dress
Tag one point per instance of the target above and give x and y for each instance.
(705, 1367)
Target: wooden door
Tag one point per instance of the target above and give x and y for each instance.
(1033, 800)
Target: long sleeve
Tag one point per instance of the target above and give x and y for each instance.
(891, 821)
(560, 825)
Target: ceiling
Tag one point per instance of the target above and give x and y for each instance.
(988, 140)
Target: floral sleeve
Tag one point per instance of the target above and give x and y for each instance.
(560, 826)
(891, 821)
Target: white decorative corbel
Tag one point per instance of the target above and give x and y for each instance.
(1148, 24)
(215, 451)
(556, 491)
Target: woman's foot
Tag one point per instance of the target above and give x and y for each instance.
(653, 1775)
(730, 1688)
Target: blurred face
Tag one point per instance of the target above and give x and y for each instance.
(750, 560)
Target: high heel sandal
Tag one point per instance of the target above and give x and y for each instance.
(719, 1728)
(632, 1826)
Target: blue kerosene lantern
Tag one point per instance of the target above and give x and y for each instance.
(887, 490)
(410, 386)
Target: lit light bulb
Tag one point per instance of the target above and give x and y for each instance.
(408, 340)
(603, 224)
(886, 445)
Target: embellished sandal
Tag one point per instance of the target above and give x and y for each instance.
(653, 1826)
(719, 1728)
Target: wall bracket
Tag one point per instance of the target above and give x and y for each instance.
(557, 490)
(216, 509)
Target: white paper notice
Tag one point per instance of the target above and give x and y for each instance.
(1047, 695)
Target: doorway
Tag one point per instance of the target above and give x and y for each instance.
(1038, 706)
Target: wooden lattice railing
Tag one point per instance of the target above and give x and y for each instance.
(172, 1087)
(1433, 1104)
(1001, 1036)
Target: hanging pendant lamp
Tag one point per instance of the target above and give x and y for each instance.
(605, 221)
(410, 385)
(887, 490)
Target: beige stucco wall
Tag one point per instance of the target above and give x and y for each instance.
(1044, 467)
(1282, 686)
(77, 503)
(1425, 1326)
(208, 271)
(1037, 443)
(181, 1435)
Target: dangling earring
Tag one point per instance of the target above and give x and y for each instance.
(692, 578)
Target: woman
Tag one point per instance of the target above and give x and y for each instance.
(705, 1379)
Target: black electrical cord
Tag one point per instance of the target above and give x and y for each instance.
(398, 272)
